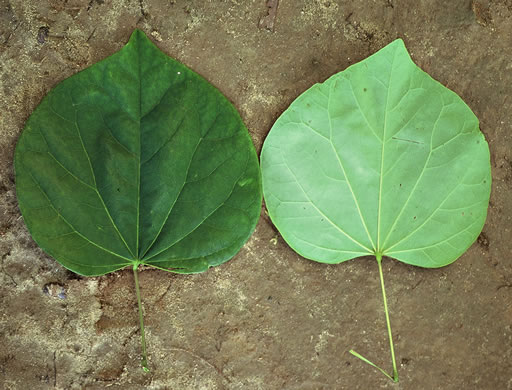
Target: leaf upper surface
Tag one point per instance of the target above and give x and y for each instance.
(137, 159)
(378, 159)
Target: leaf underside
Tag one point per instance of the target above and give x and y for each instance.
(380, 159)
(137, 160)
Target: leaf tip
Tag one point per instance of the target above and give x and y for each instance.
(399, 42)
(137, 36)
(398, 45)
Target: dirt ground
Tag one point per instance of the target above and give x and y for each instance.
(268, 319)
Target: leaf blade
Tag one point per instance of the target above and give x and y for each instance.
(113, 147)
(399, 135)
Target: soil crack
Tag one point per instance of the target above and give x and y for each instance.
(219, 371)
(2, 266)
(164, 293)
(143, 11)
(506, 285)
(268, 21)
(55, 369)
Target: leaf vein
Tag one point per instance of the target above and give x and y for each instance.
(181, 189)
(418, 180)
(437, 243)
(208, 216)
(77, 127)
(361, 110)
(430, 216)
(327, 248)
(338, 157)
(70, 225)
(325, 216)
(382, 152)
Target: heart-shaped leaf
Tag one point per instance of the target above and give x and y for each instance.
(381, 160)
(137, 160)
(378, 159)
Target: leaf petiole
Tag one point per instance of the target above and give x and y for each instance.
(394, 378)
(144, 361)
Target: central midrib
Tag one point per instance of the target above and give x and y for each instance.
(382, 156)
(140, 149)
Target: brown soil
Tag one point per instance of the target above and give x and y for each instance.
(268, 319)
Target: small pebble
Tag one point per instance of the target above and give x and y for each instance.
(42, 34)
(54, 290)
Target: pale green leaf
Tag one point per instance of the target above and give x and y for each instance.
(380, 159)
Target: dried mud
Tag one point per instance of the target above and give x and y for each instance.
(268, 319)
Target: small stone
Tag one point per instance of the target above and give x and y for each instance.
(42, 34)
(55, 290)
(155, 34)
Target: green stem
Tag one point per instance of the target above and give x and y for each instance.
(144, 361)
(388, 323)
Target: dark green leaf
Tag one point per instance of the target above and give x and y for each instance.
(137, 160)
